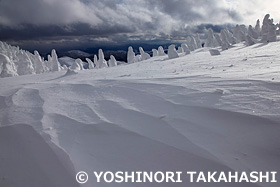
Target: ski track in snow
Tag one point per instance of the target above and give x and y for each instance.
(178, 114)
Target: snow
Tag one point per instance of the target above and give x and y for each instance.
(196, 112)
(173, 112)
(36, 157)
(214, 52)
(68, 61)
(75, 66)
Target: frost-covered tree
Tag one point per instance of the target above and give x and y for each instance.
(258, 28)
(252, 33)
(268, 30)
(155, 52)
(137, 58)
(75, 66)
(250, 40)
(239, 33)
(101, 60)
(211, 40)
(38, 63)
(161, 51)
(193, 42)
(190, 43)
(225, 40)
(90, 63)
(180, 50)
(218, 39)
(130, 55)
(80, 63)
(95, 61)
(198, 41)
(144, 55)
(55, 63)
(112, 61)
(24, 65)
(7, 66)
(185, 49)
(172, 53)
(230, 37)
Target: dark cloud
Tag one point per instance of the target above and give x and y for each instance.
(82, 23)
(28, 31)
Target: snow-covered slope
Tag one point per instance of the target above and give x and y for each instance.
(196, 112)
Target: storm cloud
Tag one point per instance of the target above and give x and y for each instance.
(58, 23)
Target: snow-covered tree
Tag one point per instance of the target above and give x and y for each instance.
(239, 33)
(218, 39)
(172, 53)
(161, 51)
(101, 60)
(112, 61)
(225, 40)
(252, 33)
(80, 63)
(250, 40)
(198, 41)
(258, 28)
(185, 49)
(95, 61)
(180, 50)
(90, 63)
(7, 66)
(75, 66)
(268, 30)
(155, 52)
(130, 55)
(211, 40)
(144, 55)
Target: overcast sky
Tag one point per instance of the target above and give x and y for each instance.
(78, 24)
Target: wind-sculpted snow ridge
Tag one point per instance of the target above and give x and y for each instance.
(133, 126)
(39, 161)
